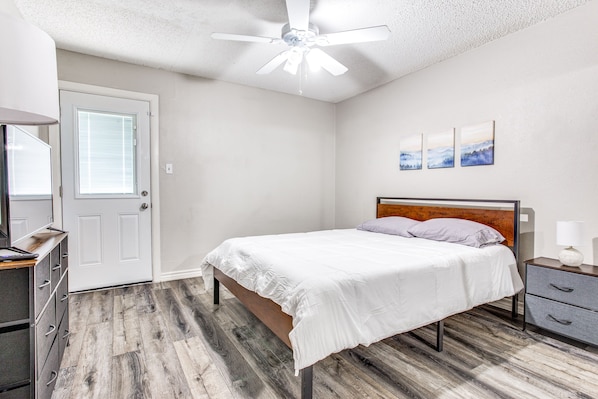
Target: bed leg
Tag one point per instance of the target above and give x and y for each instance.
(307, 381)
(216, 291)
(439, 335)
(514, 307)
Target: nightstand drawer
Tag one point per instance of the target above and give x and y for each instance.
(572, 288)
(563, 319)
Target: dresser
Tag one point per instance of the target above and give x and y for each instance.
(562, 299)
(34, 323)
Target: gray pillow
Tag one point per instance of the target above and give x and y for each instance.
(395, 225)
(458, 231)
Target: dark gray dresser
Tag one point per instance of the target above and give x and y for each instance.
(562, 299)
(34, 326)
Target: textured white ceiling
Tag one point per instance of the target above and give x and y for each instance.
(175, 35)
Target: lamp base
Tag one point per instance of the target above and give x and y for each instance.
(571, 257)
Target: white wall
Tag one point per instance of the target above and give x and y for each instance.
(540, 85)
(246, 161)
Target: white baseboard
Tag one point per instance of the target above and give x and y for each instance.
(169, 276)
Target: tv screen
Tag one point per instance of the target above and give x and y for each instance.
(29, 172)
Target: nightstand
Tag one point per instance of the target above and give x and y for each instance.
(562, 299)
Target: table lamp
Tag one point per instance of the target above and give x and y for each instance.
(570, 233)
(28, 74)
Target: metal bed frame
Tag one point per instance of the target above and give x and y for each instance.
(489, 212)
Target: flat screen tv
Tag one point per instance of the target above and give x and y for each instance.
(28, 175)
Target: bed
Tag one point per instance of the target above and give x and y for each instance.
(322, 292)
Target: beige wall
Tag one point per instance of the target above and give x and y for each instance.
(246, 161)
(540, 85)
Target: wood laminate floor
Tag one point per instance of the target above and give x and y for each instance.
(167, 340)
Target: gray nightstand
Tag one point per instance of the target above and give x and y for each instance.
(562, 299)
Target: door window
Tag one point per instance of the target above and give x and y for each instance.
(106, 156)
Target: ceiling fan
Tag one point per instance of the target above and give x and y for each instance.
(302, 38)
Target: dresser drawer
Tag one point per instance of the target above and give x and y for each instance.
(572, 288)
(55, 269)
(19, 393)
(14, 351)
(64, 255)
(42, 286)
(62, 297)
(48, 375)
(567, 320)
(45, 333)
(63, 334)
(14, 295)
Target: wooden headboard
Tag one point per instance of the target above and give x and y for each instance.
(502, 215)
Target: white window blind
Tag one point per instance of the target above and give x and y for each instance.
(106, 153)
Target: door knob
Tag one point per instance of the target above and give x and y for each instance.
(144, 206)
(144, 193)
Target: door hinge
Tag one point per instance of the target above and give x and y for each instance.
(60, 191)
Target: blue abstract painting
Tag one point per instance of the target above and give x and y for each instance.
(441, 150)
(411, 149)
(477, 144)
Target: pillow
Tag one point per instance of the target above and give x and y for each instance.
(395, 225)
(458, 231)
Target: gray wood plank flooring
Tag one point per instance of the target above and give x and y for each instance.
(167, 340)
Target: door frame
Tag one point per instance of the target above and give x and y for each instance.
(54, 131)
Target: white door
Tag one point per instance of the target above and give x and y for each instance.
(105, 147)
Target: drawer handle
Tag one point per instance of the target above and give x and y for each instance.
(64, 297)
(563, 322)
(57, 267)
(54, 375)
(65, 256)
(66, 334)
(52, 329)
(564, 289)
(45, 284)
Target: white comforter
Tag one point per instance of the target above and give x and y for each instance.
(349, 287)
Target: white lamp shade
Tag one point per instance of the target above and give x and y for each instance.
(569, 233)
(28, 76)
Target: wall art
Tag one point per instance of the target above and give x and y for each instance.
(441, 149)
(411, 149)
(477, 144)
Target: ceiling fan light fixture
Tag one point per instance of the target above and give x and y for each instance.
(291, 68)
(313, 62)
(294, 59)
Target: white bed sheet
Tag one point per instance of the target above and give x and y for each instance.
(349, 287)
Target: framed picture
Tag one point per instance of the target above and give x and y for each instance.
(411, 149)
(477, 144)
(441, 149)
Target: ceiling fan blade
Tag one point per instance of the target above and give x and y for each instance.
(244, 38)
(375, 33)
(315, 56)
(273, 63)
(298, 11)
